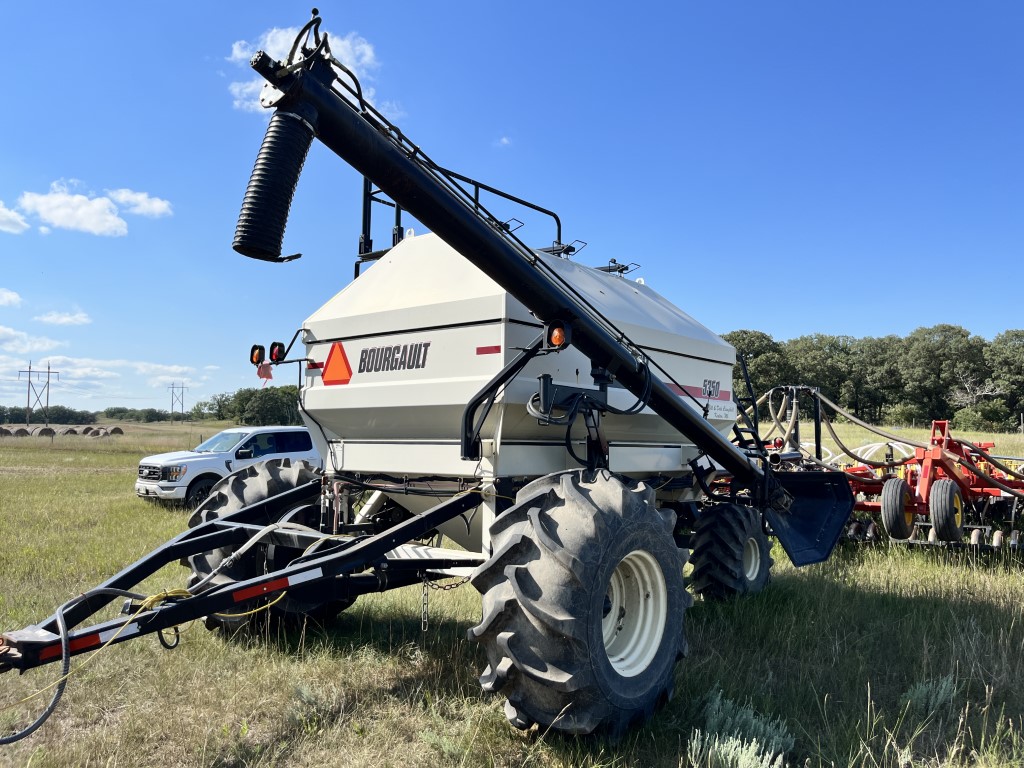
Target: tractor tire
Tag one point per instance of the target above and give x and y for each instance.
(583, 605)
(731, 553)
(946, 509)
(248, 486)
(897, 508)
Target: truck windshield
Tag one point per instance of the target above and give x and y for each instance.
(223, 441)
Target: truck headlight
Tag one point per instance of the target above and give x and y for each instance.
(174, 473)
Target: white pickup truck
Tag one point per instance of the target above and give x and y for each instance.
(187, 476)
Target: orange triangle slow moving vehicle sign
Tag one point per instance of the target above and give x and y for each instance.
(336, 369)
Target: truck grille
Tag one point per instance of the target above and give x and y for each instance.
(149, 472)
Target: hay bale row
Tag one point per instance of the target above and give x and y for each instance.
(51, 432)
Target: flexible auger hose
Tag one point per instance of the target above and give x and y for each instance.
(268, 198)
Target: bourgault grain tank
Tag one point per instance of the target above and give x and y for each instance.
(564, 425)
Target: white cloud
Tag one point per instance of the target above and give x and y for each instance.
(245, 96)
(9, 298)
(11, 221)
(21, 343)
(66, 210)
(140, 203)
(504, 141)
(352, 50)
(64, 318)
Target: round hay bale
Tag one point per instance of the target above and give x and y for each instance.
(21, 432)
(5, 432)
(99, 432)
(88, 430)
(67, 431)
(116, 431)
(43, 432)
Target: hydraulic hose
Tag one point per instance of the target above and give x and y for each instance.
(268, 197)
(65, 670)
(869, 427)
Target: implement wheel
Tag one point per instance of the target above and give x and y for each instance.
(946, 508)
(731, 554)
(583, 604)
(897, 508)
(250, 485)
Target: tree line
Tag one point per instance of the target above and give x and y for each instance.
(940, 372)
(249, 406)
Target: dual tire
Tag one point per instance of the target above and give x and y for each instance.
(945, 509)
(255, 483)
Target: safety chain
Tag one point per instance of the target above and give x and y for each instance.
(427, 586)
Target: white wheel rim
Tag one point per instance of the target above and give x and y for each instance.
(751, 559)
(638, 609)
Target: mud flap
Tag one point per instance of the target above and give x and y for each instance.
(822, 503)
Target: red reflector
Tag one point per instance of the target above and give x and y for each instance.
(314, 364)
(262, 589)
(496, 349)
(78, 644)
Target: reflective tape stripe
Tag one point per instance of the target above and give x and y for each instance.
(298, 578)
(496, 349)
(261, 589)
(77, 644)
(126, 631)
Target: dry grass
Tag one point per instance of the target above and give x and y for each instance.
(875, 658)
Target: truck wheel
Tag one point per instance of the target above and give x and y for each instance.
(198, 490)
(583, 604)
(946, 508)
(248, 486)
(731, 554)
(897, 508)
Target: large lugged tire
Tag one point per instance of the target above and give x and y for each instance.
(731, 553)
(583, 604)
(946, 509)
(897, 508)
(248, 486)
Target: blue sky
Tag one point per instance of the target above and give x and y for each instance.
(794, 167)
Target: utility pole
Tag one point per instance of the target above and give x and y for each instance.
(31, 390)
(178, 396)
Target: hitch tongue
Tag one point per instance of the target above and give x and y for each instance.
(11, 644)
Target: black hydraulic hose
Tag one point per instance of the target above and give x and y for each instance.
(851, 454)
(869, 427)
(58, 692)
(988, 479)
(268, 197)
(990, 459)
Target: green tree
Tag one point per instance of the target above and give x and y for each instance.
(1005, 357)
(822, 361)
(935, 362)
(273, 405)
(874, 382)
(767, 362)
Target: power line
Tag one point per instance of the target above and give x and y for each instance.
(178, 398)
(31, 390)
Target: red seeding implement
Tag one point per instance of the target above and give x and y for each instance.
(947, 492)
(563, 425)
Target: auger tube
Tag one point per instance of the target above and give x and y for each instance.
(366, 146)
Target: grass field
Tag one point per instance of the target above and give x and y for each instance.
(876, 658)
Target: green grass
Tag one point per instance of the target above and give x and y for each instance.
(875, 658)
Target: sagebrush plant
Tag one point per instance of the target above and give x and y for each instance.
(735, 736)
